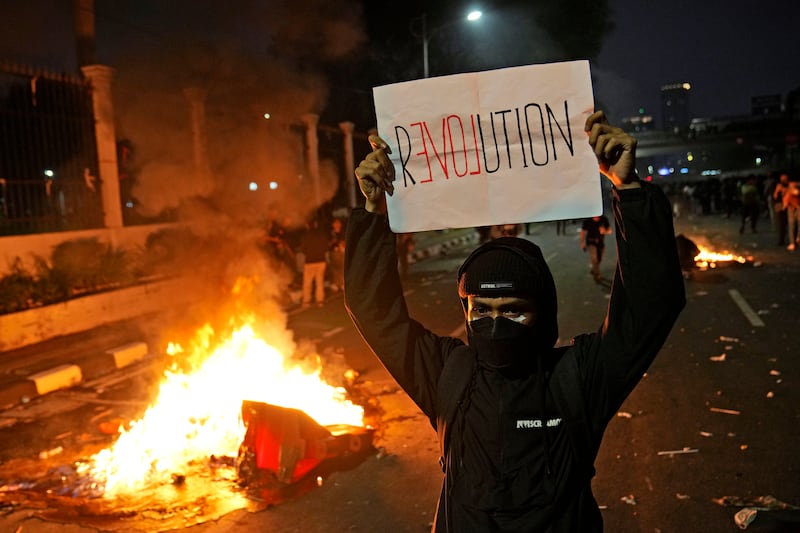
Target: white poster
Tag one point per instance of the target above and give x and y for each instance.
(496, 147)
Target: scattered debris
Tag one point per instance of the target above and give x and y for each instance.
(725, 411)
(682, 496)
(679, 452)
(778, 513)
(774, 373)
(111, 427)
(706, 434)
(743, 447)
(728, 339)
(629, 499)
(102, 414)
(624, 414)
(718, 358)
(46, 454)
(770, 394)
(745, 517)
(21, 485)
(766, 503)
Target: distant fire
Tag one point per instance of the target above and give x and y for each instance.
(709, 259)
(198, 411)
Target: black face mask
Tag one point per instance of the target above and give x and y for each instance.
(502, 343)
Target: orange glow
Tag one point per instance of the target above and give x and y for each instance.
(709, 259)
(197, 411)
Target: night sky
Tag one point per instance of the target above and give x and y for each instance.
(728, 51)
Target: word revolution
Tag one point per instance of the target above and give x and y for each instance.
(520, 137)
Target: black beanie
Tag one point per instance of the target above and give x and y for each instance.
(511, 266)
(498, 272)
(508, 266)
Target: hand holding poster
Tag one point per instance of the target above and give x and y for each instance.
(497, 147)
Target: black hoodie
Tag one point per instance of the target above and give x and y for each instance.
(510, 466)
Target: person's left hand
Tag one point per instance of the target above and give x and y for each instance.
(615, 151)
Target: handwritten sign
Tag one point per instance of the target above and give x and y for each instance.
(497, 147)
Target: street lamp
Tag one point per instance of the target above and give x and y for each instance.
(472, 16)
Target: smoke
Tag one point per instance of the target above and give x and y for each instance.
(259, 60)
(246, 60)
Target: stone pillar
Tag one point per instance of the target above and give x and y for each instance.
(83, 18)
(108, 170)
(349, 162)
(197, 116)
(312, 153)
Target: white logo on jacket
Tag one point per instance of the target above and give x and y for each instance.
(529, 423)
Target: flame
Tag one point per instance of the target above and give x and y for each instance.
(709, 259)
(198, 414)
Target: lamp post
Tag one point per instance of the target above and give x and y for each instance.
(472, 16)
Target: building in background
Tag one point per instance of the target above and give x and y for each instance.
(675, 115)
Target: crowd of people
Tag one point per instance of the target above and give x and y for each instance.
(752, 200)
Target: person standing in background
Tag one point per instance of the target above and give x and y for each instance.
(592, 239)
(405, 245)
(314, 246)
(751, 204)
(336, 255)
(791, 203)
(781, 218)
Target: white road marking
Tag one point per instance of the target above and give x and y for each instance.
(748, 312)
(550, 257)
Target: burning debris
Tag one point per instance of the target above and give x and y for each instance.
(236, 424)
(196, 414)
(693, 256)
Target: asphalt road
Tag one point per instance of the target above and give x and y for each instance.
(713, 422)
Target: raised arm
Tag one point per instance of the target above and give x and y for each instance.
(373, 291)
(648, 291)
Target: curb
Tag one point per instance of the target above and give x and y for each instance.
(68, 375)
(443, 247)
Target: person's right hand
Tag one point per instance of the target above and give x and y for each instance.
(375, 175)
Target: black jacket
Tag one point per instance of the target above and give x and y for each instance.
(510, 462)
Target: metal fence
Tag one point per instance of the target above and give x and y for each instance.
(48, 154)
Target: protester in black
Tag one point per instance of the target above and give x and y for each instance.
(592, 239)
(519, 421)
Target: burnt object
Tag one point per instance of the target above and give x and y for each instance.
(687, 251)
(284, 446)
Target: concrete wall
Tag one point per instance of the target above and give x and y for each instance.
(27, 246)
(82, 314)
